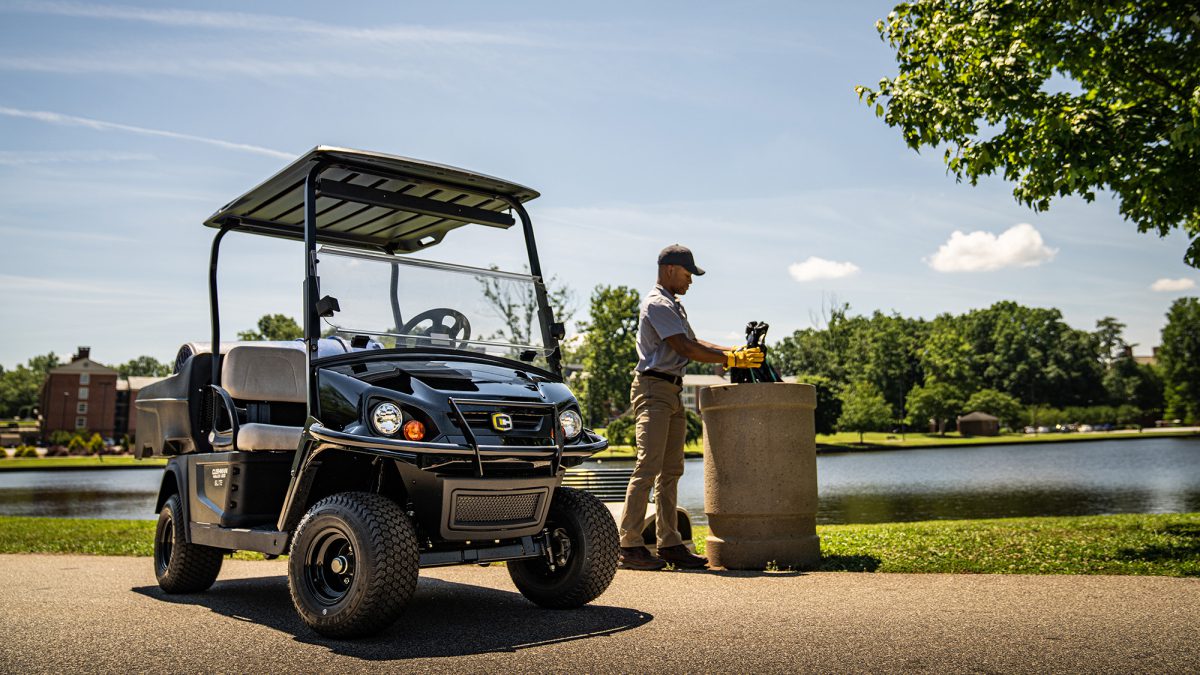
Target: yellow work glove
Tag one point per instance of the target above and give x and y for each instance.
(744, 357)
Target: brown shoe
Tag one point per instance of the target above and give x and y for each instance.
(681, 557)
(638, 558)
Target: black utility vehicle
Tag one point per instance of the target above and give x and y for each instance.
(400, 432)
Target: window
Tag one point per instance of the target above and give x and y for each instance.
(83, 393)
(85, 378)
(81, 409)
(80, 422)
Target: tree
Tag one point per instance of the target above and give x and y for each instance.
(516, 305)
(609, 352)
(19, 387)
(1179, 358)
(274, 327)
(1061, 96)
(1003, 406)
(144, 366)
(829, 406)
(864, 409)
(937, 401)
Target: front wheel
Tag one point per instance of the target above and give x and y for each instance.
(182, 567)
(583, 555)
(353, 564)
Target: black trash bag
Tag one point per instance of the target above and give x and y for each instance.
(756, 334)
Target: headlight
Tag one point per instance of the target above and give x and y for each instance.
(386, 418)
(571, 423)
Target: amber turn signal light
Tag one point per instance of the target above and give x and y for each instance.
(414, 430)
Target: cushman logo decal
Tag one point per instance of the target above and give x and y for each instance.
(501, 422)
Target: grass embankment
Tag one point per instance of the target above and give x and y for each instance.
(1134, 544)
(848, 441)
(1159, 544)
(118, 462)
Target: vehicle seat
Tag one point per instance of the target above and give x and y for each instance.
(258, 374)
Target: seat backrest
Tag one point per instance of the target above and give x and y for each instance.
(264, 373)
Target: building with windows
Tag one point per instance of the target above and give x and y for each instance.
(80, 395)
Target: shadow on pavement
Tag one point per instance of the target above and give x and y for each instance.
(443, 619)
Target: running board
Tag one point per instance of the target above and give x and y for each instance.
(527, 547)
(270, 542)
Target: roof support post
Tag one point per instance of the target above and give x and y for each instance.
(312, 285)
(545, 314)
(213, 307)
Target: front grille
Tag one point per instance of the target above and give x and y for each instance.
(489, 509)
(523, 420)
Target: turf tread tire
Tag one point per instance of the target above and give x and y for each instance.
(590, 571)
(192, 568)
(388, 565)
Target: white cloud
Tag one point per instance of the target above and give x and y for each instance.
(269, 23)
(818, 268)
(1019, 246)
(1168, 285)
(98, 125)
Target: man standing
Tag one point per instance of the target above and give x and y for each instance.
(665, 344)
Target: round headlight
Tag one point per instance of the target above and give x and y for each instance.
(571, 423)
(387, 418)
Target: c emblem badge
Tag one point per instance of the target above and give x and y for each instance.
(501, 422)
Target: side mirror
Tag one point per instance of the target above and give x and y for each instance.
(326, 306)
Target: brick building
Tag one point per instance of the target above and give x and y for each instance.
(80, 395)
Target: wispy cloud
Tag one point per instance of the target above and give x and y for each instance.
(268, 23)
(1169, 285)
(815, 269)
(201, 67)
(98, 125)
(62, 235)
(87, 291)
(28, 157)
(1019, 246)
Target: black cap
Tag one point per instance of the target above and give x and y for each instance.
(679, 255)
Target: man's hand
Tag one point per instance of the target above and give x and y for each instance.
(744, 357)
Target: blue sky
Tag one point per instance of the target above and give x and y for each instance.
(731, 128)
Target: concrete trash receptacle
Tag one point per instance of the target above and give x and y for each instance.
(760, 475)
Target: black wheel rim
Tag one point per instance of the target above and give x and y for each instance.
(330, 566)
(164, 543)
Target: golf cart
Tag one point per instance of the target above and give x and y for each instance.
(404, 430)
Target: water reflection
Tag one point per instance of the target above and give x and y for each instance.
(1143, 476)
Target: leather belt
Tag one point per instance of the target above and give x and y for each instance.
(673, 379)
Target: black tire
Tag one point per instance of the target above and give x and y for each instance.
(582, 521)
(182, 567)
(353, 564)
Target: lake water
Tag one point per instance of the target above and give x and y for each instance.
(1159, 475)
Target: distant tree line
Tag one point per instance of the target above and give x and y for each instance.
(1012, 361)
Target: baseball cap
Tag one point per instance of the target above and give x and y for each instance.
(679, 255)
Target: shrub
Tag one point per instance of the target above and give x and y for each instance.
(25, 451)
(77, 446)
(695, 427)
(621, 430)
(59, 437)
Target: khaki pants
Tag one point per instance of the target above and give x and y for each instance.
(661, 431)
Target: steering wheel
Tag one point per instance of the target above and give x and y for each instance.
(460, 329)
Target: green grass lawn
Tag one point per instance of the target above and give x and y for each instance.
(1159, 544)
(1155, 544)
(119, 462)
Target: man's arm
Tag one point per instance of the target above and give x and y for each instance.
(698, 350)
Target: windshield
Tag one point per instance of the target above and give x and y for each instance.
(414, 303)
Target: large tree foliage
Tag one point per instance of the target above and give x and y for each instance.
(144, 366)
(609, 352)
(1004, 407)
(274, 327)
(937, 401)
(1061, 96)
(1179, 358)
(19, 387)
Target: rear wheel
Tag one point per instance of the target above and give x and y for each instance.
(353, 564)
(182, 567)
(583, 560)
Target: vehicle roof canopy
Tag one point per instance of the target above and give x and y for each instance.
(373, 200)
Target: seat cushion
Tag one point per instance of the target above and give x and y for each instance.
(258, 436)
(253, 372)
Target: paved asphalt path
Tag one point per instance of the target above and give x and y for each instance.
(106, 614)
